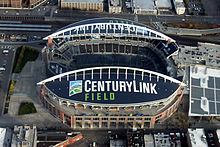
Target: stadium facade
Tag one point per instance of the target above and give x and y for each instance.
(110, 73)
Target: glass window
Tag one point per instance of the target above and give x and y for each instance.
(140, 32)
(67, 33)
(146, 33)
(88, 29)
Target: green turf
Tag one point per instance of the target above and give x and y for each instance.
(26, 108)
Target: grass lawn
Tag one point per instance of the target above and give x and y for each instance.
(26, 108)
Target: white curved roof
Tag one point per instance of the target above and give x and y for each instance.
(109, 68)
(109, 26)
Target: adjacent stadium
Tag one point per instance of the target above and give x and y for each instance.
(110, 73)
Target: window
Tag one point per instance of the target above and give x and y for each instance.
(158, 116)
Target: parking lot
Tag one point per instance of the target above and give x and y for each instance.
(195, 7)
(212, 7)
(6, 64)
(205, 54)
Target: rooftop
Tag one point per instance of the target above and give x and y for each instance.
(5, 137)
(150, 4)
(115, 3)
(160, 86)
(84, 1)
(162, 139)
(24, 135)
(204, 91)
(117, 143)
(148, 140)
(197, 137)
(164, 3)
(218, 134)
(2, 135)
(143, 4)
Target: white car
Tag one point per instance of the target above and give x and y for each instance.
(5, 51)
(2, 69)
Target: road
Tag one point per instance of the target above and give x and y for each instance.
(81, 15)
(49, 13)
(5, 76)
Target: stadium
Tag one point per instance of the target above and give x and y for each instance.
(110, 73)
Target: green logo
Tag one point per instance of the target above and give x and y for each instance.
(75, 87)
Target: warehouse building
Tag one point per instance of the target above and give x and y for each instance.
(20, 4)
(153, 7)
(86, 5)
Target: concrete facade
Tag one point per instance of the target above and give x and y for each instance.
(24, 136)
(151, 7)
(115, 6)
(64, 112)
(179, 7)
(19, 4)
(83, 5)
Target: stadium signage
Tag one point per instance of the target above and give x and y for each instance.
(117, 89)
(105, 90)
(117, 27)
(121, 21)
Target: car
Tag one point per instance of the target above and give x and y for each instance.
(93, 144)
(210, 135)
(5, 51)
(4, 62)
(2, 69)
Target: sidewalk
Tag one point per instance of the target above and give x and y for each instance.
(26, 91)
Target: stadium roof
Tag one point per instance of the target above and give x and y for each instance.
(204, 91)
(125, 85)
(109, 26)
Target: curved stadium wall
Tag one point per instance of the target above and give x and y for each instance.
(110, 73)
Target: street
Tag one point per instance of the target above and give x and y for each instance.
(5, 75)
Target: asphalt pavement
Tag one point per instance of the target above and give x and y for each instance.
(5, 75)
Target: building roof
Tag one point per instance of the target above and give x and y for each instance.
(125, 88)
(109, 26)
(197, 137)
(150, 4)
(2, 136)
(218, 134)
(24, 135)
(148, 140)
(162, 140)
(164, 3)
(143, 4)
(204, 91)
(115, 3)
(117, 143)
(100, 21)
(83, 1)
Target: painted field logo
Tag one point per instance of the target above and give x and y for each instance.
(75, 87)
